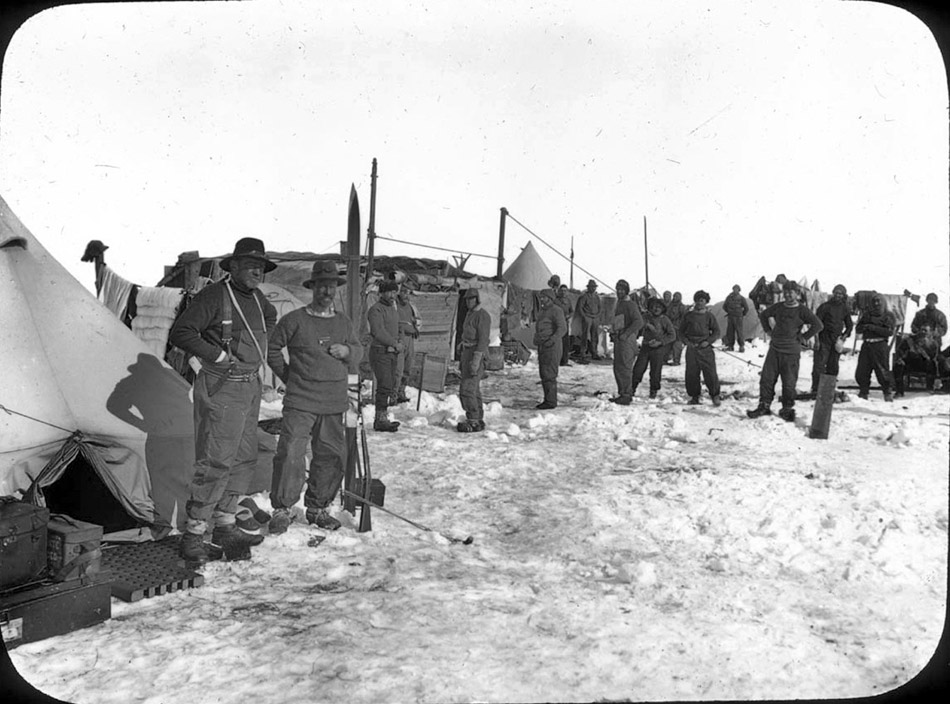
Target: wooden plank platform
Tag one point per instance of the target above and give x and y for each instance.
(144, 570)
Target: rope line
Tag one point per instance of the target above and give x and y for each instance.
(17, 413)
(553, 249)
(441, 249)
(735, 356)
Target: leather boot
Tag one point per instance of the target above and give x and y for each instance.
(235, 543)
(383, 424)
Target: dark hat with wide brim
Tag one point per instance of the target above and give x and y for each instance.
(249, 247)
(324, 270)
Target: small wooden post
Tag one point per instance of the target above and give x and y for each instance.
(422, 373)
(824, 402)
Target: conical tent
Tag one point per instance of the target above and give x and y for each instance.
(83, 401)
(528, 270)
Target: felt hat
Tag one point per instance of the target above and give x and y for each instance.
(388, 285)
(324, 270)
(252, 248)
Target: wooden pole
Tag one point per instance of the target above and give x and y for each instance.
(646, 257)
(371, 230)
(824, 402)
(422, 374)
(571, 281)
(501, 242)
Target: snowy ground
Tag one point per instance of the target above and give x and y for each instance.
(656, 551)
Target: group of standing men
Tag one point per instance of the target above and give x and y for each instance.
(232, 330)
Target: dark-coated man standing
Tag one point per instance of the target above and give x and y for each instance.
(548, 338)
(476, 333)
(625, 327)
(384, 349)
(225, 327)
(589, 307)
(835, 317)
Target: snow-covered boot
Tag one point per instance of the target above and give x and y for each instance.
(280, 521)
(320, 518)
(787, 414)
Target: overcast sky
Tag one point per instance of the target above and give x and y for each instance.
(808, 138)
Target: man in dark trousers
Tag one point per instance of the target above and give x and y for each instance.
(384, 350)
(699, 330)
(408, 334)
(548, 338)
(675, 311)
(625, 327)
(835, 317)
(589, 307)
(735, 308)
(476, 334)
(225, 327)
(322, 346)
(930, 316)
(785, 350)
(564, 303)
(875, 326)
(658, 335)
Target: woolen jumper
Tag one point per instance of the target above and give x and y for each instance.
(699, 325)
(786, 335)
(659, 328)
(735, 305)
(932, 318)
(198, 330)
(589, 305)
(383, 324)
(316, 382)
(835, 318)
(551, 325)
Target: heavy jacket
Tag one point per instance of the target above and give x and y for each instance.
(316, 382)
(198, 330)
(735, 305)
(627, 319)
(551, 325)
(874, 326)
(932, 318)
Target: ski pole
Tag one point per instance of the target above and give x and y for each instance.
(465, 541)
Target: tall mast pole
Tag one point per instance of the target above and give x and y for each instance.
(371, 230)
(501, 242)
(646, 256)
(571, 283)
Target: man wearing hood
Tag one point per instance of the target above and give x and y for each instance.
(835, 317)
(658, 334)
(785, 350)
(875, 326)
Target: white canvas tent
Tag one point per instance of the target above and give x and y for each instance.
(528, 270)
(85, 402)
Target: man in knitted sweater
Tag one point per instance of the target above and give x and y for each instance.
(322, 347)
(735, 308)
(589, 307)
(658, 335)
(627, 322)
(835, 317)
(785, 350)
(699, 330)
(676, 311)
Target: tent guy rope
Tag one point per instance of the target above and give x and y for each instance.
(23, 415)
